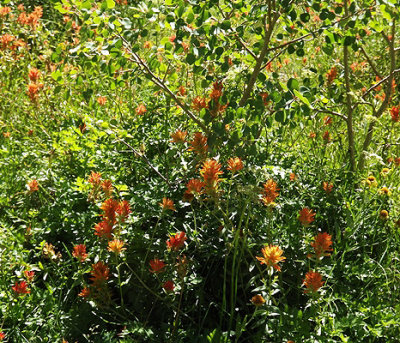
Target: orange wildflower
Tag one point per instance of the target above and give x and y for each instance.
(326, 137)
(4, 11)
(331, 75)
(157, 266)
(313, 282)
(21, 288)
(179, 136)
(2, 335)
(101, 100)
(327, 186)
(29, 275)
(85, 293)
(272, 255)
(107, 187)
(34, 74)
(5, 40)
(258, 300)
(199, 144)
(292, 177)
(80, 252)
(312, 135)
(306, 216)
(181, 90)
(397, 161)
(216, 91)
(264, 96)
(198, 103)
(210, 173)
(394, 113)
(116, 246)
(322, 244)
(100, 273)
(328, 120)
(95, 178)
(177, 241)
(167, 204)
(103, 229)
(109, 208)
(270, 192)
(33, 186)
(168, 286)
(140, 110)
(147, 45)
(123, 209)
(33, 91)
(193, 187)
(235, 164)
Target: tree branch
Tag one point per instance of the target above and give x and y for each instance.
(268, 32)
(388, 93)
(157, 81)
(145, 159)
(377, 73)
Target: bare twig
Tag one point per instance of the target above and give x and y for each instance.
(395, 71)
(158, 82)
(245, 46)
(349, 108)
(269, 27)
(341, 116)
(145, 159)
(371, 63)
(388, 92)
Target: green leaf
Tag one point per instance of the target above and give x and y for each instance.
(301, 97)
(110, 4)
(190, 58)
(280, 116)
(293, 84)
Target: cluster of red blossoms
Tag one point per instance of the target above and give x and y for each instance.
(31, 19)
(210, 173)
(157, 266)
(34, 86)
(394, 113)
(114, 212)
(99, 185)
(98, 289)
(322, 245)
(11, 42)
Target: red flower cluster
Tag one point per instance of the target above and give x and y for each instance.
(193, 188)
(306, 216)
(80, 252)
(270, 192)
(394, 113)
(113, 211)
(322, 245)
(210, 172)
(21, 288)
(199, 144)
(157, 266)
(331, 75)
(216, 91)
(198, 103)
(177, 241)
(31, 19)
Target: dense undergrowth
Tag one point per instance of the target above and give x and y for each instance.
(191, 171)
